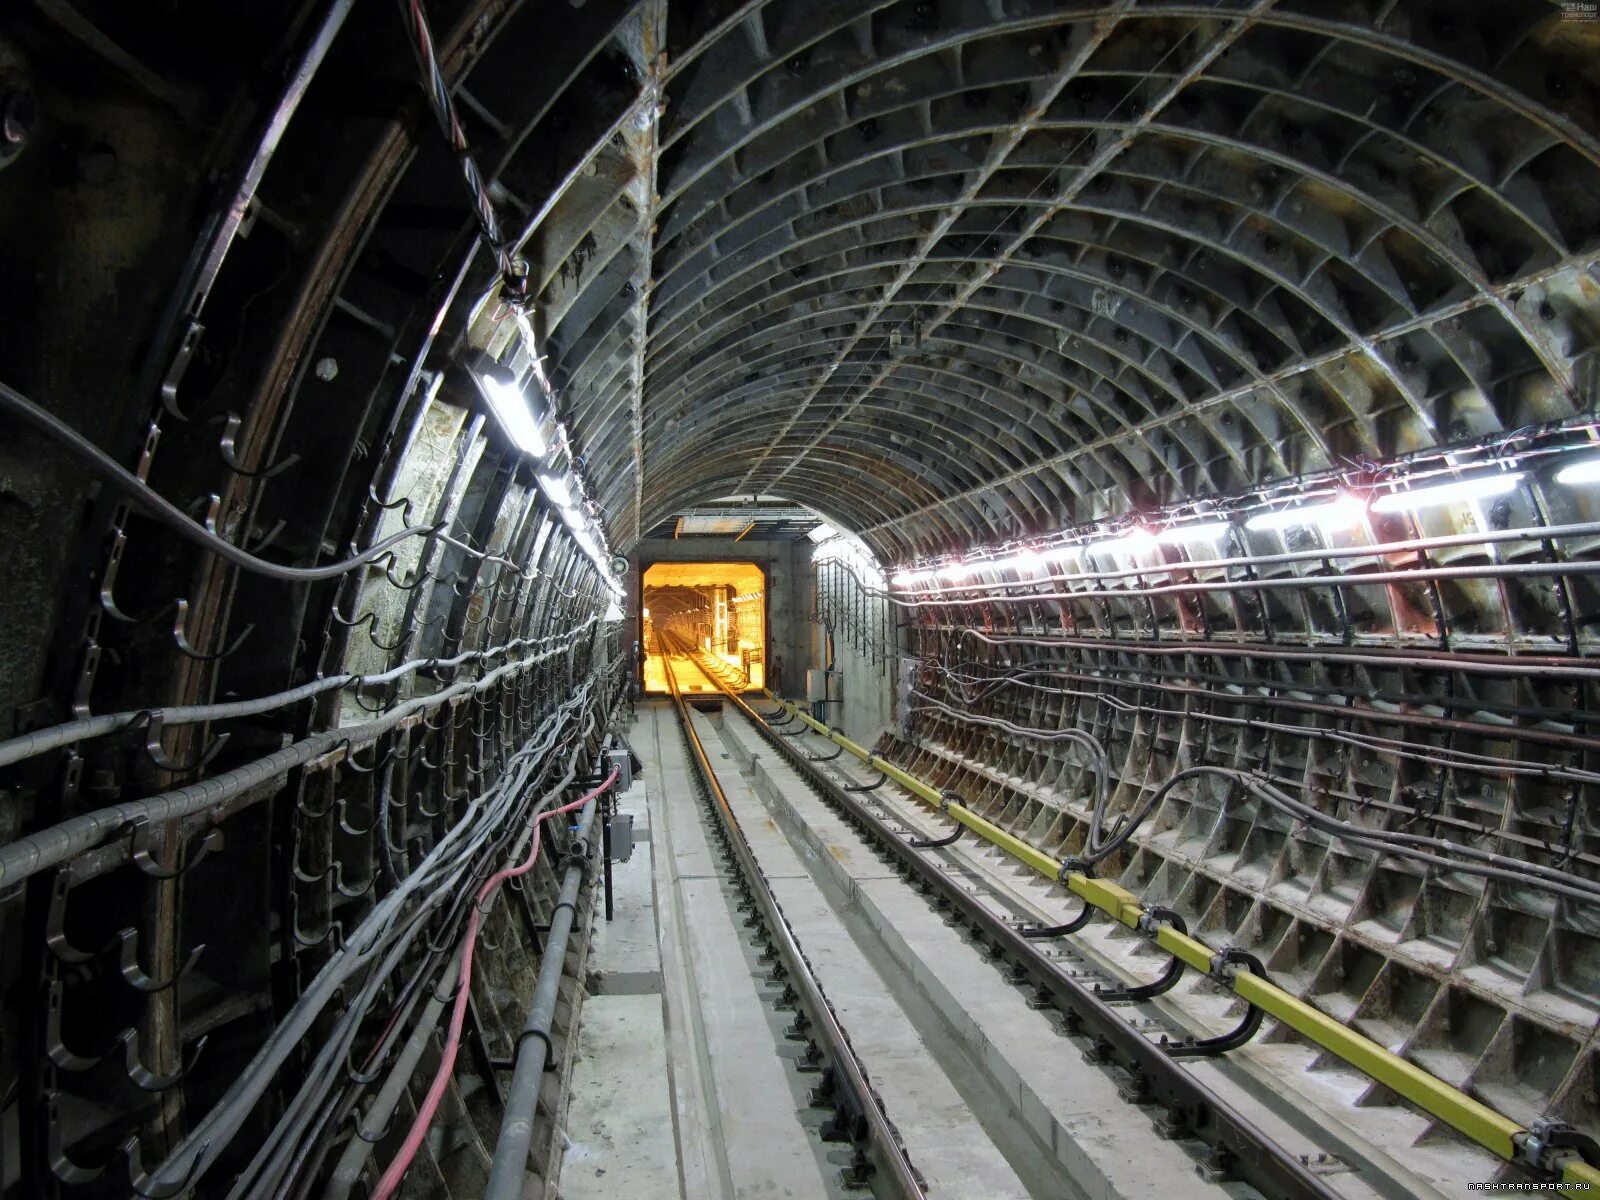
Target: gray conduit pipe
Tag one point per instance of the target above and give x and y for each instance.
(534, 1049)
(375, 1124)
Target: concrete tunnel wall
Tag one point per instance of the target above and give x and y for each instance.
(864, 687)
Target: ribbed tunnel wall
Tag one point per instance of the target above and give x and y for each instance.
(972, 280)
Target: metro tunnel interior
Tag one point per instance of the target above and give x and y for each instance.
(1120, 480)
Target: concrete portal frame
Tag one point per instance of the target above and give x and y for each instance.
(785, 563)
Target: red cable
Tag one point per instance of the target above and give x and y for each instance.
(430, 1105)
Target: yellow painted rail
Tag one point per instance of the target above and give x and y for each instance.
(1475, 1120)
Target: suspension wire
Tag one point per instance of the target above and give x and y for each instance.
(513, 272)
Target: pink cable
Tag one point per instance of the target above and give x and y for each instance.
(425, 1114)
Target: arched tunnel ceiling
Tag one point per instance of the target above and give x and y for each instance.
(947, 272)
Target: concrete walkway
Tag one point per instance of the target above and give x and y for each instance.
(620, 1141)
(682, 1089)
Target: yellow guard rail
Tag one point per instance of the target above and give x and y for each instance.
(1497, 1133)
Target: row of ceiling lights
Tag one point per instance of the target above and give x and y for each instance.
(562, 487)
(1340, 512)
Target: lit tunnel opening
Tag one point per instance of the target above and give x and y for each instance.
(715, 608)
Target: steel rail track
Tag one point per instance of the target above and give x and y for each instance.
(859, 1118)
(1238, 1149)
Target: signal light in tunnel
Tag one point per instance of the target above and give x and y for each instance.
(1483, 487)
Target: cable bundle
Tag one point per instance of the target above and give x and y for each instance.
(513, 273)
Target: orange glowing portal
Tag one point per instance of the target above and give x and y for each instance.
(721, 608)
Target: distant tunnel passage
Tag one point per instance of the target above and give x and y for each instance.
(718, 607)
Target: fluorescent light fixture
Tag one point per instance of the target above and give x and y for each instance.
(1483, 487)
(1340, 513)
(1057, 553)
(646, 613)
(573, 516)
(511, 409)
(1127, 543)
(1202, 531)
(586, 539)
(822, 532)
(1578, 473)
(955, 571)
(1024, 560)
(557, 489)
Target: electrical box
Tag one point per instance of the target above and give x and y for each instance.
(816, 686)
(620, 760)
(905, 682)
(619, 832)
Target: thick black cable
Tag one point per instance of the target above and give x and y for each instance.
(514, 280)
(1101, 844)
(142, 496)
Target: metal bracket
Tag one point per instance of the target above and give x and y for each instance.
(178, 367)
(1069, 866)
(1548, 1142)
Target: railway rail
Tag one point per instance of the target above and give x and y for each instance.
(1226, 1146)
(879, 1159)
(1151, 1069)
